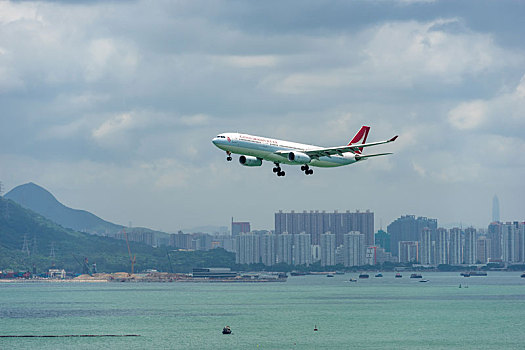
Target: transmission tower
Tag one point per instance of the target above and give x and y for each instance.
(34, 249)
(25, 246)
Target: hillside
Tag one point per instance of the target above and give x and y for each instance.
(71, 247)
(39, 200)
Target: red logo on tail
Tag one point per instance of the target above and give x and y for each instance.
(360, 137)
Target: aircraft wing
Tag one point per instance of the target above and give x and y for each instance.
(320, 152)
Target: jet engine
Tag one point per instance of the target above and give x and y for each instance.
(299, 158)
(250, 161)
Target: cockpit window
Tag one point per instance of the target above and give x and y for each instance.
(221, 137)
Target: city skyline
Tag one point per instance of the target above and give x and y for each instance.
(112, 106)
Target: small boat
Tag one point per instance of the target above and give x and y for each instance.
(379, 275)
(315, 328)
(465, 274)
(523, 275)
(478, 273)
(423, 281)
(329, 275)
(416, 275)
(352, 280)
(364, 275)
(226, 330)
(398, 275)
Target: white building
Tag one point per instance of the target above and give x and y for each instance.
(354, 249)
(327, 249)
(247, 248)
(267, 247)
(302, 254)
(471, 245)
(283, 248)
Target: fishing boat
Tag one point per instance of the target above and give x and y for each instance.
(364, 275)
(416, 275)
(398, 275)
(379, 275)
(226, 330)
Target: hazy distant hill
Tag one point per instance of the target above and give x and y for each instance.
(39, 200)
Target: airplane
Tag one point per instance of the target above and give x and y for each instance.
(255, 149)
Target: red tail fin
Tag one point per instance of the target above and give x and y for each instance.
(360, 137)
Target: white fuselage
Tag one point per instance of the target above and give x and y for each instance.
(266, 148)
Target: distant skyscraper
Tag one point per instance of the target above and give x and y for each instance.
(455, 247)
(354, 249)
(327, 249)
(409, 228)
(239, 227)
(267, 247)
(247, 248)
(425, 247)
(483, 249)
(302, 252)
(408, 251)
(471, 245)
(495, 236)
(283, 247)
(442, 246)
(495, 209)
(316, 223)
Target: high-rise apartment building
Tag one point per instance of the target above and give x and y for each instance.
(483, 249)
(283, 245)
(328, 249)
(247, 248)
(408, 251)
(239, 227)
(425, 246)
(455, 247)
(315, 223)
(471, 245)
(267, 248)
(442, 246)
(302, 252)
(494, 234)
(409, 228)
(354, 249)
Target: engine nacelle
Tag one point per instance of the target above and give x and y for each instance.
(299, 158)
(250, 161)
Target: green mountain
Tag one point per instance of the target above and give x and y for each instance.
(41, 201)
(28, 238)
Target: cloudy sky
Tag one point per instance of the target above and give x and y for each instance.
(111, 106)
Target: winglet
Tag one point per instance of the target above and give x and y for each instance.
(393, 138)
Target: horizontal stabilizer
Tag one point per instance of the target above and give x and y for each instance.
(362, 156)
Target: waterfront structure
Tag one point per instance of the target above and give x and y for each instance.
(354, 249)
(470, 247)
(408, 251)
(315, 223)
(283, 245)
(240, 227)
(408, 228)
(302, 254)
(327, 249)
(213, 273)
(247, 248)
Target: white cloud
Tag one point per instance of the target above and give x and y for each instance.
(468, 115)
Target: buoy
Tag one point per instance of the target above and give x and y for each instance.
(315, 328)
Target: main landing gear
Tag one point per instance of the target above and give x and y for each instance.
(307, 170)
(278, 170)
(229, 157)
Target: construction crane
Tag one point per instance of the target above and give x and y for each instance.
(131, 257)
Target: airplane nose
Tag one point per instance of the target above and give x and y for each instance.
(215, 141)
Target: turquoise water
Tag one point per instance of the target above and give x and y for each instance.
(378, 313)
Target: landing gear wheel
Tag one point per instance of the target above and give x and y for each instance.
(229, 159)
(303, 168)
(275, 170)
(281, 173)
(309, 172)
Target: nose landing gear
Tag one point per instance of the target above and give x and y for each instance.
(229, 157)
(307, 170)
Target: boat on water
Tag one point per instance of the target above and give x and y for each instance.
(379, 275)
(298, 273)
(398, 275)
(473, 273)
(416, 275)
(352, 280)
(226, 330)
(364, 275)
(424, 281)
(329, 275)
(523, 275)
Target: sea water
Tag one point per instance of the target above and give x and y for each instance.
(375, 313)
